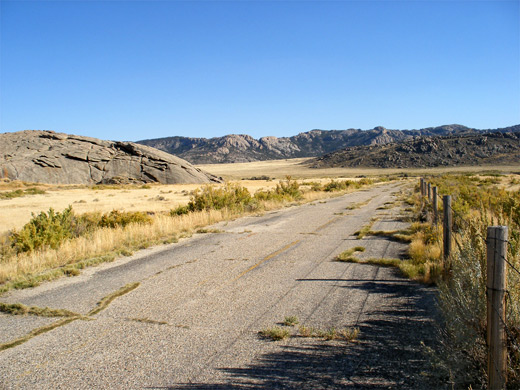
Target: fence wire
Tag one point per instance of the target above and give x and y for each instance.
(513, 334)
(468, 226)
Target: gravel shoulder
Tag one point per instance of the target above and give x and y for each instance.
(194, 319)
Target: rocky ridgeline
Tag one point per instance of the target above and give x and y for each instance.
(243, 148)
(424, 152)
(49, 157)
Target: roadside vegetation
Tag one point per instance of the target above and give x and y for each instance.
(61, 243)
(477, 202)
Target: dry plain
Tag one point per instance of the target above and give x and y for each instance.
(14, 213)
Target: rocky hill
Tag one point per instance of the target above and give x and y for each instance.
(49, 157)
(243, 148)
(496, 148)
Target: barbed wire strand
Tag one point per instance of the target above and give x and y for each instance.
(469, 226)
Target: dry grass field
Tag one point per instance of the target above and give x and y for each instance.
(80, 242)
(279, 169)
(15, 212)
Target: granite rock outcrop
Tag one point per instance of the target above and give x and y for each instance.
(49, 157)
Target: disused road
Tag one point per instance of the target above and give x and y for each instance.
(193, 320)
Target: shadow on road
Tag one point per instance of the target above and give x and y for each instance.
(388, 354)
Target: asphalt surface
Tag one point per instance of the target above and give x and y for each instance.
(193, 321)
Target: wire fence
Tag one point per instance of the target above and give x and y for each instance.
(466, 229)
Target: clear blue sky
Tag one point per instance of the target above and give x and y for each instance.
(130, 70)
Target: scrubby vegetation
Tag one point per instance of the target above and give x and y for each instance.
(50, 229)
(345, 184)
(231, 196)
(19, 193)
(57, 243)
(238, 199)
(478, 202)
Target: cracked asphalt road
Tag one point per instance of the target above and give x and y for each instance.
(193, 321)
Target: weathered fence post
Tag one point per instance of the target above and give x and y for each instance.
(447, 225)
(496, 286)
(435, 207)
(422, 186)
(430, 192)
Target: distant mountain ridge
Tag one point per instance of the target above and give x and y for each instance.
(244, 148)
(491, 148)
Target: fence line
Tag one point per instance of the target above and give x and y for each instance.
(496, 290)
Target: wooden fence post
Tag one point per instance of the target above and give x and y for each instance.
(496, 286)
(430, 192)
(447, 225)
(422, 186)
(435, 206)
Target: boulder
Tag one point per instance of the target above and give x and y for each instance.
(57, 158)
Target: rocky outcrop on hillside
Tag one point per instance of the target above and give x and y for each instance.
(57, 158)
(243, 148)
(425, 152)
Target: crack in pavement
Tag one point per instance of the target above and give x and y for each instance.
(70, 316)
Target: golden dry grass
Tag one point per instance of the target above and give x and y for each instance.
(16, 212)
(27, 269)
(279, 169)
(105, 241)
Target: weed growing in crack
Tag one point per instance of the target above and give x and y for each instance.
(275, 333)
(278, 333)
(348, 255)
(291, 321)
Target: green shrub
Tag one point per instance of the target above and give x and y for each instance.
(231, 196)
(181, 210)
(289, 188)
(345, 184)
(50, 229)
(335, 186)
(11, 194)
(118, 218)
(365, 182)
(286, 190)
(44, 229)
(315, 186)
